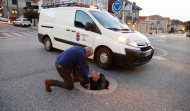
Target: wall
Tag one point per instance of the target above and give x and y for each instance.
(163, 27)
(11, 6)
(144, 27)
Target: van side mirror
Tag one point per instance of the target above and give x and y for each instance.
(88, 26)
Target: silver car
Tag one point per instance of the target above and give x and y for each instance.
(4, 19)
(22, 22)
(188, 34)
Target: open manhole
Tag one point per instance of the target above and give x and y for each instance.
(104, 85)
(97, 82)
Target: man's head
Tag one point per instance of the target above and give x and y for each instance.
(89, 51)
(95, 77)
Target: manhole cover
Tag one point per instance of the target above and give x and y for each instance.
(112, 87)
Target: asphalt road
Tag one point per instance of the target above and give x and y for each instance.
(160, 85)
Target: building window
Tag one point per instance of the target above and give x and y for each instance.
(14, 12)
(158, 22)
(28, 3)
(14, 2)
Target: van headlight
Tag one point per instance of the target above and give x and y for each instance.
(126, 41)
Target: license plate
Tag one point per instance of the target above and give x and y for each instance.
(149, 52)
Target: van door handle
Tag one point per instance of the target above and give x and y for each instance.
(73, 31)
(84, 34)
(67, 30)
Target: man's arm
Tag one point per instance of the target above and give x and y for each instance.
(83, 70)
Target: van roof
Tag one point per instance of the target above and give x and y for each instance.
(76, 8)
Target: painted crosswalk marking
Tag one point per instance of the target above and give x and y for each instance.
(6, 34)
(17, 34)
(20, 34)
(33, 32)
(25, 33)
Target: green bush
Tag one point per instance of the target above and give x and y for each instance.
(172, 30)
(30, 14)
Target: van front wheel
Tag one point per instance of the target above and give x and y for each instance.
(48, 44)
(104, 58)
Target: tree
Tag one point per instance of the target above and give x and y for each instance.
(30, 14)
(188, 25)
(175, 21)
(172, 30)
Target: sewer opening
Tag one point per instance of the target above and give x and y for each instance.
(97, 82)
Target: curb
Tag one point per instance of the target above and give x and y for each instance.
(6, 23)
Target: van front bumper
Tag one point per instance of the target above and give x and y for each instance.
(134, 57)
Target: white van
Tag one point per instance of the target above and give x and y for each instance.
(112, 41)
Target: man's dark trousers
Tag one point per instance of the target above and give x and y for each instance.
(66, 75)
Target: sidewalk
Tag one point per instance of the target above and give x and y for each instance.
(159, 35)
(33, 27)
(6, 23)
(166, 35)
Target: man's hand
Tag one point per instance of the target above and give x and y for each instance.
(87, 86)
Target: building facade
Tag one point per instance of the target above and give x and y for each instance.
(160, 24)
(144, 26)
(180, 28)
(15, 8)
(1, 8)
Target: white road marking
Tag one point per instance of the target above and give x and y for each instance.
(33, 32)
(161, 57)
(9, 35)
(26, 33)
(17, 34)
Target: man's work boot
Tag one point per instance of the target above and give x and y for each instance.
(47, 83)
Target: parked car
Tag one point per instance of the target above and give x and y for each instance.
(4, 19)
(188, 34)
(22, 22)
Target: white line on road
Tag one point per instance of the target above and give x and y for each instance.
(17, 34)
(161, 57)
(26, 33)
(33, 32)
(9, 35)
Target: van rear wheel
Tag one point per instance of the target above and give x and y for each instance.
(48, 44)
(104, 58)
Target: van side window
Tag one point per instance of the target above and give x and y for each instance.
(81, 19)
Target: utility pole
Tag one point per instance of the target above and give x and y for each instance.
(123, 13)
(8, 10)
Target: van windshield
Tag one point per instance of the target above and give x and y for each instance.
(109, 21)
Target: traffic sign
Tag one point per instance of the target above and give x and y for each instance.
(134, 7)
(117, 6)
